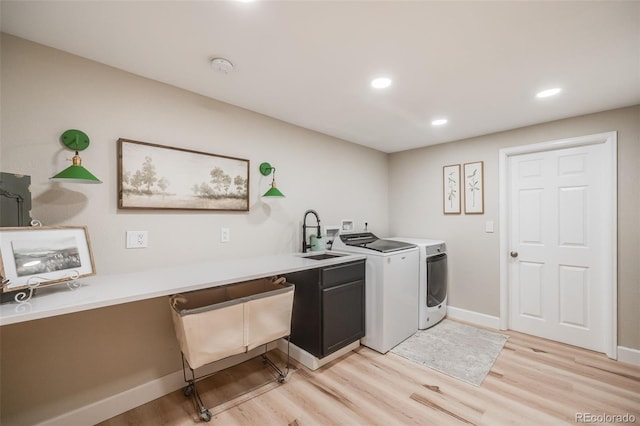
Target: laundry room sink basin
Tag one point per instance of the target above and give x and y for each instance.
(323, 256)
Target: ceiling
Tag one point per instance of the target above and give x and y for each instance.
(310, 63)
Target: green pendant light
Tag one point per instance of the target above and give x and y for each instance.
(273, 192)
(266, 170)
(75, 140)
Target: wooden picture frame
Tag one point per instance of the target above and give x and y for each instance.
(158, 177)
(474, 188)
(44, 255)
(451, 189)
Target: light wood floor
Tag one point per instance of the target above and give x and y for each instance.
(533, 382)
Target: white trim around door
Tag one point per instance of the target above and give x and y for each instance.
(609, 139)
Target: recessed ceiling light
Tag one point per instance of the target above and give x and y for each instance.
(381, 82)
(548, 92)
(439, 122)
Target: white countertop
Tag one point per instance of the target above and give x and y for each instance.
(113, 289)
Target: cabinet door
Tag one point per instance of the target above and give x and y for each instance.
(306, 321)
(343, 315)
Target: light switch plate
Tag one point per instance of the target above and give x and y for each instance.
(488, 226)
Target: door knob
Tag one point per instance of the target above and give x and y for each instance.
(514, 254)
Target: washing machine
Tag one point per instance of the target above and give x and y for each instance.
(391, 287)
(432, 302)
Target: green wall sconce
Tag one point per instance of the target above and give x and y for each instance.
(266, 170)
(75, 140)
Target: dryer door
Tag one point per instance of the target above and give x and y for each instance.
(436, 279)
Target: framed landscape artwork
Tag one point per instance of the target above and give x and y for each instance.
(451, 189)
(154, 176)
(43, 255)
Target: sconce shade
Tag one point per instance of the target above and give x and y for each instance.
(273, 192)
(75, 140)
(266, 170)
(76, 174)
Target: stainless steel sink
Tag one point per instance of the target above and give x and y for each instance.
(323, 256)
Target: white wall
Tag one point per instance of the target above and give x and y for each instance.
(45, 92)
(52, 366)
(56, 365)
(473, 253)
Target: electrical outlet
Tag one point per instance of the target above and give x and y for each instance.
(137, 239)
(225, 235)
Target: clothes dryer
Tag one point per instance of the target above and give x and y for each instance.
(432, 304)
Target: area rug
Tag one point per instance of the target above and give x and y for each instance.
(458, 350)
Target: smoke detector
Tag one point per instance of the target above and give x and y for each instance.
(222, 65)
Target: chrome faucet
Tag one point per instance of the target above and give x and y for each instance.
(305, 246)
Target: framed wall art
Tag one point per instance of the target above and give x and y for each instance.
(451, 189)
(474, 188)
(154, 176)
(44, 255)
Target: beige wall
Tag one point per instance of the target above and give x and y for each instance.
(45, 92)
(416, 210)
(54, 365)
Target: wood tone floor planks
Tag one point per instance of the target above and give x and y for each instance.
(533, 382)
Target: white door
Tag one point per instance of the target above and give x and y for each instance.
(559, 282)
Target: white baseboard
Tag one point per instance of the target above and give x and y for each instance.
(483, 320)
(114, 405)
(626, 355)
(310, 361)
(629, 355)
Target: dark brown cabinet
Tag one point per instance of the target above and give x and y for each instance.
(328, 307)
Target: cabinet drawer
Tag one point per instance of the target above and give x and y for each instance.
(343, 273)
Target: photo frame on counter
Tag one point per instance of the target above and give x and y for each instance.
(44, 255)
(474, 188)
(451, 189)
(159, 177)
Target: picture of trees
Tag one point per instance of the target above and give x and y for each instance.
(160, 177)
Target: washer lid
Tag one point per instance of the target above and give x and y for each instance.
(369, 241)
